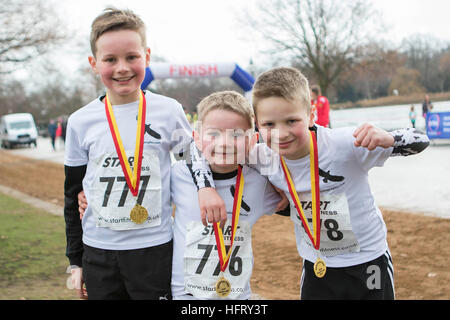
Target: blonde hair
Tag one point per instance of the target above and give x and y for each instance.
(227, 100)
(113, 19)
(284, 82)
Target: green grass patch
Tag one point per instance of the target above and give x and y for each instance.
(32, 247)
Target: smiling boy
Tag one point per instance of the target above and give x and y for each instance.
(225, 135)
(117, 151)
(339, 230)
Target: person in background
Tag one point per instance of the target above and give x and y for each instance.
(63, 129)
(412, 116)
(426, 106)
(52, 132)
(58, 135)
(320, 107)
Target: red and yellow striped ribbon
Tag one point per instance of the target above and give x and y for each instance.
(131, 176)
(224, 256)
(314, 235)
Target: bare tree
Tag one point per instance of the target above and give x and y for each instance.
(29, 29)
(423, 53)
(320, 35)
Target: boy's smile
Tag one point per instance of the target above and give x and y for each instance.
(121, 61)
(284, 126)
(224, 139)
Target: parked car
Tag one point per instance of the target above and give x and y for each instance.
(17, 129)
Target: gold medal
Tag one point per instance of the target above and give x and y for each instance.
(223, 287)
(320, 268)
(138, 214)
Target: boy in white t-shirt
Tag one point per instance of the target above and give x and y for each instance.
(324, 173)
(225, 134)
(117, 151)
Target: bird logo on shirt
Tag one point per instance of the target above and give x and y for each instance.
(152, 132)
(327, 176)
(244, 205)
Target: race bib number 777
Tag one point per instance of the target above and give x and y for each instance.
(112, 200)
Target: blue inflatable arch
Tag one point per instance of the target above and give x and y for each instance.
(205, 70)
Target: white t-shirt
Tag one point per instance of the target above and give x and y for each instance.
(352, 228)
(106, 222)
(195, 258)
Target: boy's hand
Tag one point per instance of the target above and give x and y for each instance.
(78, 282)
(82, 204)
(212, 207)
(370, 137)
(284, 202)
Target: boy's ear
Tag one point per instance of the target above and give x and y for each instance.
(311, 118)
(147, 57)
(197, 139)
(253, 140)
(93, 63)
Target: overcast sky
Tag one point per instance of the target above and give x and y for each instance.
(198, 31)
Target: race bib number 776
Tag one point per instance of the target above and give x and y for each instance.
(201, 260)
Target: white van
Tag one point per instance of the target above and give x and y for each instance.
(17, 128)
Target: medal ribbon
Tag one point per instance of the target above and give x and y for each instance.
(132, 177)
(224, 257)
(315, 192)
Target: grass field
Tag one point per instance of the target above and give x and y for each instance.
(32, 246)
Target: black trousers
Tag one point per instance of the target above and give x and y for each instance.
(128, 274)
(373, 280)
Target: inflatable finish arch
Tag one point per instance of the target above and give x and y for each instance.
(160, 70)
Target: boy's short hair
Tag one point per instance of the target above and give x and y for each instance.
(284, 82)
(227, 100)
(113, 19)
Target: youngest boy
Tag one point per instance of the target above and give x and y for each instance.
(200, 268)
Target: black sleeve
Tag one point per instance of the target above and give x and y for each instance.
(409, 141)
(74, 232)
(199, 168)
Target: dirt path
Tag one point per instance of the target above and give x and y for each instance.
(419, 244)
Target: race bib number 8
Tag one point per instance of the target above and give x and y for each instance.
(201, 260)
(336, 234)
(112, 200)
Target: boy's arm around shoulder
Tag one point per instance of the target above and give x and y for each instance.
(212, 206)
